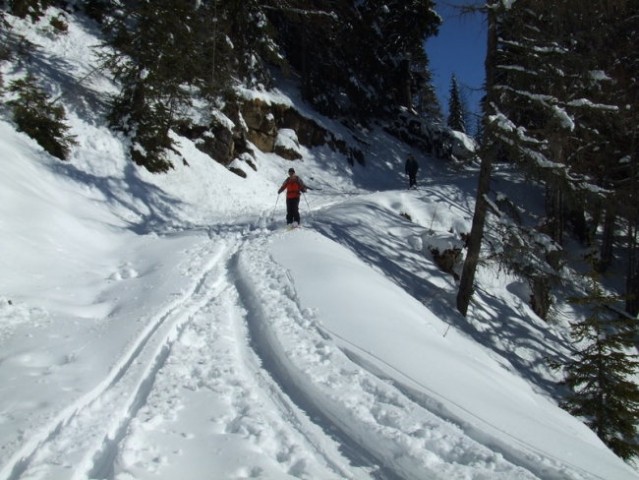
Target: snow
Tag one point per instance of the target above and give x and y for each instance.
(287, 139)
(463, 145)
(563, 119)
(169, 326)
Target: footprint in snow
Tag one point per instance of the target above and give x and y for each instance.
(124, 272)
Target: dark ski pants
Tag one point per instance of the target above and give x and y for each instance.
(412, 179)
(292, 210)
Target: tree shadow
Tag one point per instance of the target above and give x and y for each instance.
(142, 207)
(75, 90)
(378, 237)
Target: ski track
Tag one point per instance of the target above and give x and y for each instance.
(213, 359)
(66, 447)
(390, 430)
(98, 436)
(250, 345)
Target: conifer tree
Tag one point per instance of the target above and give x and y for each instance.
(376, 62)
(96, 9)
(214, 47)
(404, 25)
(557, 98)
(252, 37)
(600, 375)
(5, 50)
(489, 152)
(32, 8)
(40, 118)
(153, 45)
(455, 107)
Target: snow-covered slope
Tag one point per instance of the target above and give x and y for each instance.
(169, 326)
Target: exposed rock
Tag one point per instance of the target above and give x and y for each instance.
(287, 145)
(238, 171)
(464, 147)
(217, 141)
(261, 128)
(264, 120)
(446, 250)
(272, 128)
(447, 260)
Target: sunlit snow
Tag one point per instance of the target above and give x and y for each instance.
(171, 327)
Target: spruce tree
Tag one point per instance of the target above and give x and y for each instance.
(404, 25)
(376, 61)
(455, 107)
(96, 9)
(152, 58)
(5, 50)
(33, 8)
(600, 374)
(490, 151)
(253, 40)
(560, 100)
(40, 118)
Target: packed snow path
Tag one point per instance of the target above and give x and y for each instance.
(212, 350)
(234, 376)
(192, 358)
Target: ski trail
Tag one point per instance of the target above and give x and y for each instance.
(83, 437)
(300, 412)
(212, 368)
(289, 400)
(346, 462)
(388, 429)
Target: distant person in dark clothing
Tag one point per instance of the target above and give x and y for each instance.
(294, 187)
(411, 170)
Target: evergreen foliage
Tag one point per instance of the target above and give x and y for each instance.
(354, 58)
(5, 50)
(39, 118)
(96, 9)
(34, 9)
(165, 53)
(455, 108)
(360, 59)
(561, 103)
(253, 40)
(600, 375)
(554, 103)
(403, 27)
(152, 60)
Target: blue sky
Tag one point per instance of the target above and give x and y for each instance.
(460, 48)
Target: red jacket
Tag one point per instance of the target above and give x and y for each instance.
(294, 187)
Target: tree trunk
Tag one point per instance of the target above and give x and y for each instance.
(607, 241)
(632, 277)
(214, 50)
(555, 213)
(540, 296)
(405, 80)
(467, 280)
(466, 283)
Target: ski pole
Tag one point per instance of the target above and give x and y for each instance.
(310, 213)
(276, 200)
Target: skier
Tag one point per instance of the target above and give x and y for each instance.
(294, 188)
(411, 170)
